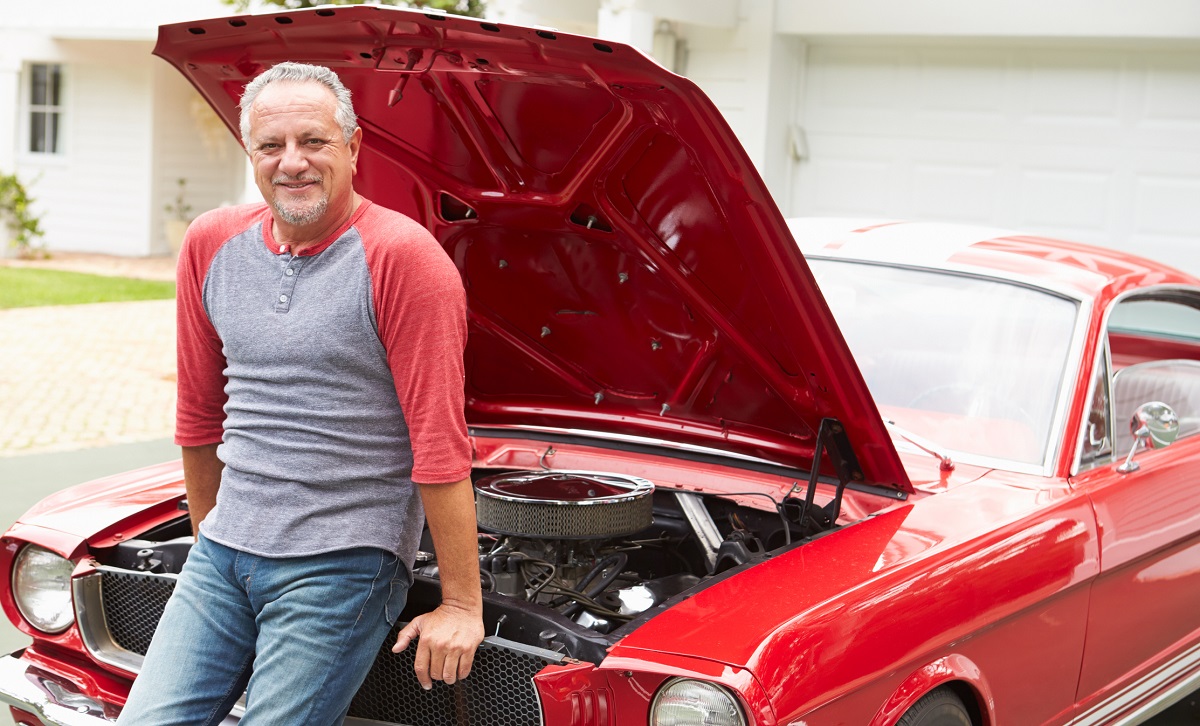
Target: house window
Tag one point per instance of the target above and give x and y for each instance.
(45, 108)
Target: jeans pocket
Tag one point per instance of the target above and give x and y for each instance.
(397, 593)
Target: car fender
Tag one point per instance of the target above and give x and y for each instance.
(947, 669)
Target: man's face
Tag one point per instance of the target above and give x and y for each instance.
(302, 165)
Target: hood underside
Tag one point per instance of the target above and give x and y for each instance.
(626, 268)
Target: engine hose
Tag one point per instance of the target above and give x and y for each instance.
(614, 563)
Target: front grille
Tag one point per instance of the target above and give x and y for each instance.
(133, 605)
(499, 691)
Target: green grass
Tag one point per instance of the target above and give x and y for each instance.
(26, 287)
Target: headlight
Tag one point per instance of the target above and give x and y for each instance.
(42, 588)
(684, 702)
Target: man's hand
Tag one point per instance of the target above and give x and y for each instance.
(449, 634)
(447, 643)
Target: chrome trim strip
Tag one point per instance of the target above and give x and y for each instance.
(139, 573)
(987, 273)
(1104, 712)
(702, 525)
(552, 656)
(629, 439)
(87, 592)
(637, 488)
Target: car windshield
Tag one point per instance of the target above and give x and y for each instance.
(969, 364)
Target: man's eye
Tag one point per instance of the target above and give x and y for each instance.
(314, 142)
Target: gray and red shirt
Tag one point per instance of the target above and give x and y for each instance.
(333, 379)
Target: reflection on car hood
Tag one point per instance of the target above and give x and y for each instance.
(626, 269)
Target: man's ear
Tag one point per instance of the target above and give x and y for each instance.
(355, 144)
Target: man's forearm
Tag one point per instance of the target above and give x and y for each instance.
(202, 478)
(449, 634)
(450, 511)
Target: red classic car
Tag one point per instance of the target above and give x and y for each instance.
(701, 500)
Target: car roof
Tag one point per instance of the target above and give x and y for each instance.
(1071, 268)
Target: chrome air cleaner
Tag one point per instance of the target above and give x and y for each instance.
(564, 504)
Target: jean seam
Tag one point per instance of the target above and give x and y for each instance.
(346, 638)
(215, 716)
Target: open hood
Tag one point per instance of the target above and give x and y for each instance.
(626, 269)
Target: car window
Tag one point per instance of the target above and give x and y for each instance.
(970, 364)
(1157, 318)
(1155, 344)
(1097, 448)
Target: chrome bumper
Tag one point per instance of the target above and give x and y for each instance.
(23, 687)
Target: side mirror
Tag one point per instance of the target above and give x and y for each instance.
(1153, 424)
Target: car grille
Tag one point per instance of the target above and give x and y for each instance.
(499, 692)
(133, 605)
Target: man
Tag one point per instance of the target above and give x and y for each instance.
(320, 405)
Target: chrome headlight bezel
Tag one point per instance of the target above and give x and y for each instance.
(41, 589)
(700, 690)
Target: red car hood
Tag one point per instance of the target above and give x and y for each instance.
(626, 268)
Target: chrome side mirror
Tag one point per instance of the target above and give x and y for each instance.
(1154, 425)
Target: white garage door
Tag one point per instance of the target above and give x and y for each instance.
(1097, 145)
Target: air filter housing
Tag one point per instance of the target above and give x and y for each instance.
(564, 504)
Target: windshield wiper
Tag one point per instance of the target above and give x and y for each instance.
(921, 443)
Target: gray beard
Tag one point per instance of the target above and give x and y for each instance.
(303, 216)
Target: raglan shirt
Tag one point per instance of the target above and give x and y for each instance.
(332, 379)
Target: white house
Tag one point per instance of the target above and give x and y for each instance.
(1076, 118)
(100, 131)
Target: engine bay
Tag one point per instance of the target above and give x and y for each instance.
(569, 561)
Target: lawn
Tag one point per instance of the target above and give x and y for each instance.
(24, 287)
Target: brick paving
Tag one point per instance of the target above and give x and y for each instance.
(77, 376)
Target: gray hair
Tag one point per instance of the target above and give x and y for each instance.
(343, 114)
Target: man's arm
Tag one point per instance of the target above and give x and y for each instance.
(202, 477)
(450, 634)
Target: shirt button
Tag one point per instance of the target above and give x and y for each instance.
(283, 298)
(290, 272)
(283, 248)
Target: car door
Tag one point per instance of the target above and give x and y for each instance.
(1145, 606)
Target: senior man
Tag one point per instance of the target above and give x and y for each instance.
(320, 406)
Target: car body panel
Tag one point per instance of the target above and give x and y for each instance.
(99, 507)
(1145, 598)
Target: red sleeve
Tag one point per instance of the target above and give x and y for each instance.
(200, 402)
(421, 310)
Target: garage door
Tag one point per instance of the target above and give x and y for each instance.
(1101, 145)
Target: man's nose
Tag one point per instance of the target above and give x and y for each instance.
(294, 160)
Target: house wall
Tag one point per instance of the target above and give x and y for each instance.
(190, 143)
(103, 192)
(94, 195)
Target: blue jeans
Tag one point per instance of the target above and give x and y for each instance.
(298, 635)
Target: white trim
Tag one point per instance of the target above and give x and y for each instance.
(1106, 711)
